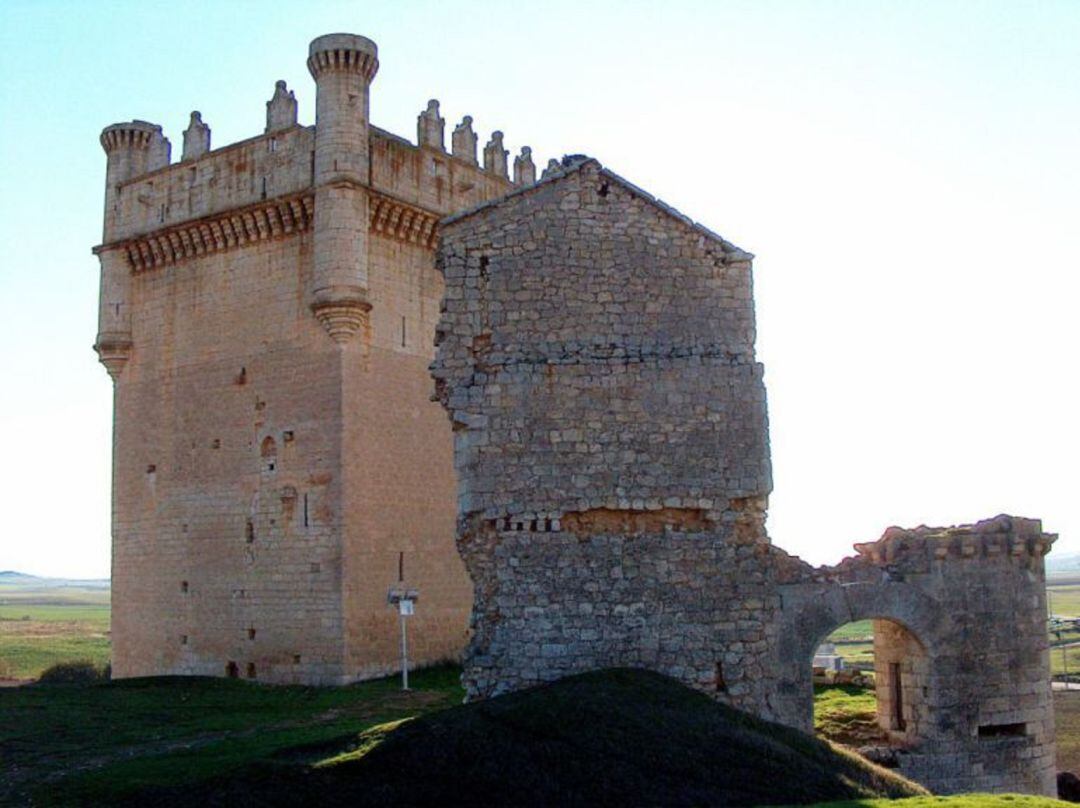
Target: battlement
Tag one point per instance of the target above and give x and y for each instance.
(150, 194)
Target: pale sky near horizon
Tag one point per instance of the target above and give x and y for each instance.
(906, 174)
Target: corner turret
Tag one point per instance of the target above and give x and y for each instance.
(131, 149)
(343, 66)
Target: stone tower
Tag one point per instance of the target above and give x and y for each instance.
(267, 311)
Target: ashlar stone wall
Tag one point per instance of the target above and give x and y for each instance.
(596, 359)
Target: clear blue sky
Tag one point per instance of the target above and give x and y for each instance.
(907, 174)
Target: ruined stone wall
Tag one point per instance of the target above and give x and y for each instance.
(967, 608)
(596, 361)
(596, 358)
(277, 458)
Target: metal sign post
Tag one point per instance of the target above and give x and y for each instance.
(405, 601)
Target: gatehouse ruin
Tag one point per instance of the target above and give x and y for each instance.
(596, 358)
(268, 314)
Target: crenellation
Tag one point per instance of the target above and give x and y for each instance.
(463, 141)
(495, 155)
(281, 109)
(430, 127)
(524, 168)
(196, 138)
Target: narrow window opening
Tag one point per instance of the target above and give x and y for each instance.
(721, 685)
(264, 187)
(288, 436)
(232, 670)
(249, 531)
(161, 214)
(251, 670)
(191, 176)
(273, 144)
(603, 190)
(183, 639)
(897, 693)
(1002, 730)
(306, 522)
(184, 587)
(251, 634)
(241, 377)
(402, 332)
(401, 567)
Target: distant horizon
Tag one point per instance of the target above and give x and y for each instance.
(904, 173)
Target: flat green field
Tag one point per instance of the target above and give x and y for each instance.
(42, 625)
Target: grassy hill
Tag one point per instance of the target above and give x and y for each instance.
(611, 737)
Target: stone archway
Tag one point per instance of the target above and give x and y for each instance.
(906, 627)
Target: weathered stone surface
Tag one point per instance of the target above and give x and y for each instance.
(267, 311)
(596, 358)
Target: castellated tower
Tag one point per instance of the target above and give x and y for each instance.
(267, 312)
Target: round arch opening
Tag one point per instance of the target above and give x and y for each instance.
(871, 687)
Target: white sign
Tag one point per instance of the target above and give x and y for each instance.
(405, 607)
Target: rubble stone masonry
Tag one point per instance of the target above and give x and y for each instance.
(596, 358)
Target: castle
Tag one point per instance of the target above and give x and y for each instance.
(266, 314)
(269, 312)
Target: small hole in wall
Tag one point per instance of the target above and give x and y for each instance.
(241, 377)
(215, 443)
(288, 436)
(251, 670)
(721, 685)
(183, 639)
(151, 469)
(251, 634)
(184, 587)
(603, 190)
(315, 566)
(296, 659)
(1002, 730)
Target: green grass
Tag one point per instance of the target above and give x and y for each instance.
(100, 743)
(41, 626)
(860, 630)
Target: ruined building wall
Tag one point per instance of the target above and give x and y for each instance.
(596, 358)
(266, 312)
(596, 361)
